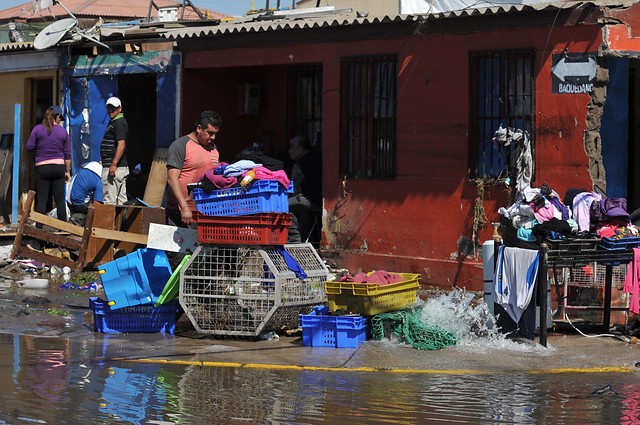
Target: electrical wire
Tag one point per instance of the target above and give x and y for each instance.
(566, 316)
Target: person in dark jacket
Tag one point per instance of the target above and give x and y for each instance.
(306, 175)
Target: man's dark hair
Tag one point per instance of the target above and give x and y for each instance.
(208, 117)
(301, 142)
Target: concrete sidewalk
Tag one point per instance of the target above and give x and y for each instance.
(566, 352)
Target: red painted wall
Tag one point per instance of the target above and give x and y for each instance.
(412, 223)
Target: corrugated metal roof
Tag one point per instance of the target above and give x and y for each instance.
(266, 23)
(14, 46)
(106, 9)
(340, 18)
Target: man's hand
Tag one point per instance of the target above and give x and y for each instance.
(112, 170)
(185, 214)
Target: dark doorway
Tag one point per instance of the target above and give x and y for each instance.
(138, 95)
(41, 100)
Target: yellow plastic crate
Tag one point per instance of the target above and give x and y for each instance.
(369, 299)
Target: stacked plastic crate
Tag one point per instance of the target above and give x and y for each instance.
(137, 287)
(325, 327)
(243, 279)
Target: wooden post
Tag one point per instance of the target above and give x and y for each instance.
(18, 240)
(88, 227)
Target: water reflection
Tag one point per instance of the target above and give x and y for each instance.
(70, 381)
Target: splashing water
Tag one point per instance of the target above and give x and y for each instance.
(474, 325)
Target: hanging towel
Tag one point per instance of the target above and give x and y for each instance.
(292, 264)
(515, 278)
(632, 282)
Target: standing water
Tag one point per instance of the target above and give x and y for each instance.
(91, 380)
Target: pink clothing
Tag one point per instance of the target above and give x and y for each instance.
(193, 160)
(379, 277)
(263, 173)
(220, 181)
(632, 282)
(58, 161)
(544, 214)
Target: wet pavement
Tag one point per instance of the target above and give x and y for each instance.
(67, 315)
(58, 370)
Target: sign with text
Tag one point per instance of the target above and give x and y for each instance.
(573, 73)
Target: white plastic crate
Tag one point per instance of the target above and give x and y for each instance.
(248, 290)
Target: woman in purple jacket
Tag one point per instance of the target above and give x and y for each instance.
(50, 141)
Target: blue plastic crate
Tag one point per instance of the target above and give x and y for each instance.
(138, 319)
(612, 244)
(263, 196)
(135, 279)
(321, 330)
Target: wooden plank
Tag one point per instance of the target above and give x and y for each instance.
(99, 250)
(157, 181)
(82, 253)
(21, 223)
(117, 235)
(46, 236)
(136, 219)
(45, 258)
(58, 224)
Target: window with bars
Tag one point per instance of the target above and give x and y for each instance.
(502, 93)
(368, 117)
(306, 102)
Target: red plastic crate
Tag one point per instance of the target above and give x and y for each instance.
(257, 229)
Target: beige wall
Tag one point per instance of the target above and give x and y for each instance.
(16, 88)
(374, 8)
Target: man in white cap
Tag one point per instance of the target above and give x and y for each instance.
(115, 169)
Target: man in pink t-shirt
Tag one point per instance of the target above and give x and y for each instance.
(188, 159)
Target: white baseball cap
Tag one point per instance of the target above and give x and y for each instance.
(114, 101)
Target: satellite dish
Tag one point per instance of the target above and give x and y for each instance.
(53, 33)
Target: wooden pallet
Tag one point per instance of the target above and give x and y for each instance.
(94, 245)
(53, 231)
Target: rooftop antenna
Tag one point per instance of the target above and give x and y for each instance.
(152, 4)
(53, 33)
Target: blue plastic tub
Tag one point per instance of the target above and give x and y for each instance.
(322, 330)
(612, 244)
(135, 279)
(139, 319)
(263, 196)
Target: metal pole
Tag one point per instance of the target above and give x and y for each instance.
(16, 163)
(542, 291)
(606, 316)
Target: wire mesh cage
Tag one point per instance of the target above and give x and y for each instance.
(580, 292)
(248, 290)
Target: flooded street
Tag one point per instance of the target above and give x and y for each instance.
(51, 380)
(54, 369)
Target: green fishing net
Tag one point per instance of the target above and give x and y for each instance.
(408, 326)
